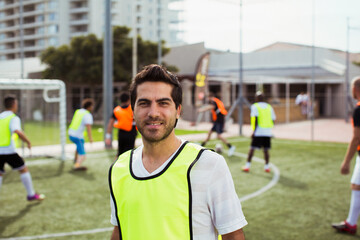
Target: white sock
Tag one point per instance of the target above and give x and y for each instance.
(27, 181)
(267, 166)
(248, 164)
(1, 181)
(354, 210)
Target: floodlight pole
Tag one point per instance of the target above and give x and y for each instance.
(134, 41)
(107, 67)
(347, 87)
(313, 73)
(21, 39)
(159, 33)
(240, 109)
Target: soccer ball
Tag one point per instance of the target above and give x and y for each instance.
(218, 148)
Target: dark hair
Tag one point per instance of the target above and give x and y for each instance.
(9, 101)
(156, 73)
(87, 102)
(124, 97)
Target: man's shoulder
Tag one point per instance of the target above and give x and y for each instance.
(5, 114)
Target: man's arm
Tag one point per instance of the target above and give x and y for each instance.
(88, 128)
(206, 108)
(355, 141)
(23, 137)
(237, 235)
(115, 234)
(109, 131)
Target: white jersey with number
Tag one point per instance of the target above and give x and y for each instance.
(216, 206)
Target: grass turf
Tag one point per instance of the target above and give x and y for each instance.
(310, 195)
(48, 133)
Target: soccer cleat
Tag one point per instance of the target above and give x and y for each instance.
(246, 169)
(345, 227)
(81, 168)
(231, 151)
(36, 197)
(267, 170)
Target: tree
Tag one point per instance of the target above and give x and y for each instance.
(81, 61)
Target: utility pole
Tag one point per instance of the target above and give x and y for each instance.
(107, 67)
(159, 32)
(240, 98)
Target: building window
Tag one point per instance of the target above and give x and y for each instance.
(53, 29)
(2, 15)
(52, 16)
(2, 36)
(40, 43)
(40, 6)
(53, 41)
(53, 4)
(40, 18)
(2, 47)
(40, 30)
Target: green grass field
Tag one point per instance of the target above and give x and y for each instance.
(48, 133)
(309, 196)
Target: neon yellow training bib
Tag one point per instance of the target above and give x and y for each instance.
(156, 207)
(77, 119)
(264, 117)
(5, 132)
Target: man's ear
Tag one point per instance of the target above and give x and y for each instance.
(178, 110)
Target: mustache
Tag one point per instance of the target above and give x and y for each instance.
(153, 119)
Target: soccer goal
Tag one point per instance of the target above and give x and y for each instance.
(42, 108)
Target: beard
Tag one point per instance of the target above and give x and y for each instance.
(156, 135)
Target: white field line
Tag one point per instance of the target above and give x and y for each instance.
(272, 183)
(52, 235)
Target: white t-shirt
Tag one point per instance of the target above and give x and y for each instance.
(15, 124)
(216, 206)
(262, 132)
(87, 119)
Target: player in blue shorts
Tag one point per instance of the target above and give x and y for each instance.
(82, 120)
(10, 124)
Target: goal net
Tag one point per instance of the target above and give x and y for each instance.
(42, 109)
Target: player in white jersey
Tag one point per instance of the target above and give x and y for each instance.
(10, 124)
(209, 205)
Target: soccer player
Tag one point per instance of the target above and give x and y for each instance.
(123, 120)
(169, 188)
(218, 113)
(10, 124)
(350, 224)
(262, 121)
(82, 120)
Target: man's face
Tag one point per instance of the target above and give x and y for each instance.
(154, 111)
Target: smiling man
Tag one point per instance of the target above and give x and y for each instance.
(169, 188)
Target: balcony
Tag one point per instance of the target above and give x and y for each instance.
(79, 22)
(78, 34)
(79, 10)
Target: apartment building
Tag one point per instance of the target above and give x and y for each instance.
(30, 26)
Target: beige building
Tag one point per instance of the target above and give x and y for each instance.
(281, 70)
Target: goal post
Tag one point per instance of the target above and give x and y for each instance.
(46, 85)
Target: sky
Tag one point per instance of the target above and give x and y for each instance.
(217, 23)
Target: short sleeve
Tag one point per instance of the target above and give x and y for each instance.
(88, 119)
(254, 111)
(356, 117)
(15, 124)
(224, 204)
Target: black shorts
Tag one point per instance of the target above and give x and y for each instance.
(14, 160)
(218, 127)
(261, 142)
